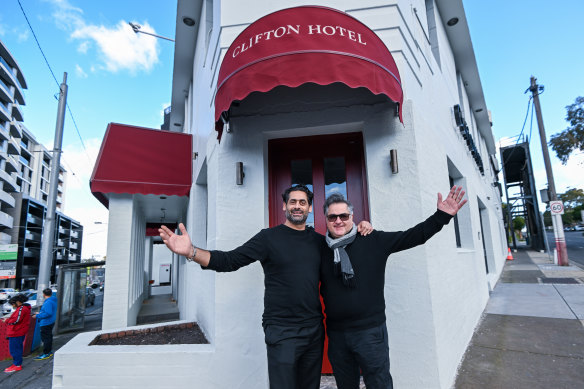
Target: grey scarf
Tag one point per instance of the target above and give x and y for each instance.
(342, 262)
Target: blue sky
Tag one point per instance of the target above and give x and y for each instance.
(514, 40)
(115, 75)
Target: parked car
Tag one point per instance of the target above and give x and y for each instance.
(6, 293)
(578, 228)
(89, 297)
(32, 301)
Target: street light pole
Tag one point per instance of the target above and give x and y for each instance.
(48, 238)
(138, 29)
(556, 219)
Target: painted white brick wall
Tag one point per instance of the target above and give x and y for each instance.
(124, 292)
(425, 287)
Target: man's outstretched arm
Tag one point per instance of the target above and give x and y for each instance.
(182, 245)
(419, 234)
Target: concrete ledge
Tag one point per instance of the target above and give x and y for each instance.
(79, 365)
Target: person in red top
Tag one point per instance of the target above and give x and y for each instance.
(16, 329)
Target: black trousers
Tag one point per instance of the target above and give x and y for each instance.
(47, 338)
(368, 350)
(294, 356)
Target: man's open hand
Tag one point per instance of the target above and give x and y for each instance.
(179, 244)
(453, 201)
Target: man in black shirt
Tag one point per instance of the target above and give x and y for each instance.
(353, 280)
(290, 255)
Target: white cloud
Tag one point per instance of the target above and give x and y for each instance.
(94, 235)
(80, 72)
(119, 48)
(79, 162)
(80, 204)
(23, 36)
(83, 47)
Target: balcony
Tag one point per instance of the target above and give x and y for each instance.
(9, 74)
(12, 166)
(75, 234)
(17, 112)
(15, 129)
(6, 220)
(4, 135)
(60, 243)
(5, 92)
(9, 182)
(73, 246)
(13, 146)
(4, 113)
(33, 236)
(5, 238)
(7, 199)
(32, 219)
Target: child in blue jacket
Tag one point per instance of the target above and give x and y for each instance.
(46, 320)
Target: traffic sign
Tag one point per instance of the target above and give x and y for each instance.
(557, 207)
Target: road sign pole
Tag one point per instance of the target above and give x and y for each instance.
(559, 229)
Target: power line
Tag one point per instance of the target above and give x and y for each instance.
(38, 44)
(54, 78)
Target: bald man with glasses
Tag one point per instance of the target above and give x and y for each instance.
(353, 281)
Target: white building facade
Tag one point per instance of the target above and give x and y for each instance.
(335, 137)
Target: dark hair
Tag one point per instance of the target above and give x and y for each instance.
(336, 198)
(297, 188)
(47, 292)
(19, 297)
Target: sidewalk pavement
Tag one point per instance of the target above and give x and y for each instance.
(39, 374)
(531, 334)
(532, 331)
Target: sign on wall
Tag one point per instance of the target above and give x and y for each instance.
(8, 256)
(8, 252)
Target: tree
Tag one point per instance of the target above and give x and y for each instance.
(572, 138)
(518, 223)
(572, 198)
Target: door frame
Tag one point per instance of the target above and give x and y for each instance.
(348, 145)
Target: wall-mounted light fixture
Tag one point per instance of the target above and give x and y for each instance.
(239, 174)
(393, 161)
(225, 120)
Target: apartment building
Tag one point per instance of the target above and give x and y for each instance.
(24, 189)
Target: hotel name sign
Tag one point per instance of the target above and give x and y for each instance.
(298, 30)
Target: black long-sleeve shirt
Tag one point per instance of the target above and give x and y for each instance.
(363, 306)
(291, 261)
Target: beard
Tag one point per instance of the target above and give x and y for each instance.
(296, 219)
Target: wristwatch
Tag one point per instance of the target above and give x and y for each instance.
(191, 258)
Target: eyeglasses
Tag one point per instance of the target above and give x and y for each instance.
(343, 216)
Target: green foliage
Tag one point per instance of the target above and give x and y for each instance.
(572, 198)
(572, 138)
(518, 223)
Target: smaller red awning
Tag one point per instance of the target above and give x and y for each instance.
(140, 160)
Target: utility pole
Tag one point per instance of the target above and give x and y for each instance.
(556, 219)
(49, 224)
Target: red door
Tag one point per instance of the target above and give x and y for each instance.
(326, 164)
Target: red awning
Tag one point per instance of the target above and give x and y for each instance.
(305, 44)
(142, 160)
